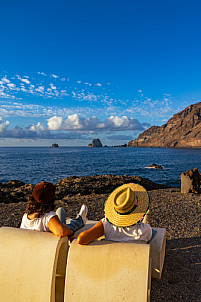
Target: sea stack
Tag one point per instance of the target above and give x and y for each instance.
(95, 143)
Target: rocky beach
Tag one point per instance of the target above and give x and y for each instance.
(178, 213)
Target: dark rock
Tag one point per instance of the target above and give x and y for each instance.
(183, 130)
(190, 181)
(95, 143)
(13, 184)
(99, 184)
(55, 145)
(154, 166)
(120, 146)
(15, 191)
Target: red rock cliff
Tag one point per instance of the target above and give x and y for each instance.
(183, 130)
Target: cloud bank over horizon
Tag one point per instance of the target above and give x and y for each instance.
(72, 127)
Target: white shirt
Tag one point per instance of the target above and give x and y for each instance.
(139, 232)
(37, 224)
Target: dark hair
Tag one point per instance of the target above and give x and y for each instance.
(39, 208)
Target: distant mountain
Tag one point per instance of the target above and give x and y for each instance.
(183, 130)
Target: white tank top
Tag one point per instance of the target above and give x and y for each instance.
(37, 224)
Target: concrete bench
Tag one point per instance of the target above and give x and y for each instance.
(108, 271)
(32, 267)
(157, 248)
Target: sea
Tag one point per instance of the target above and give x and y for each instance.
(36, 164)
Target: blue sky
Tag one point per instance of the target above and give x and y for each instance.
(71, 71)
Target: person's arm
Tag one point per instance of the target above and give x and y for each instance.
(95, 232)
(57, 228)
(146, 218)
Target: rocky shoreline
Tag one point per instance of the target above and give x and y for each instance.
(178, 213)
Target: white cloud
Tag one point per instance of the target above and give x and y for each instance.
(52, 86)
(23, 89)
(75, 122)
(38, 127)
(124, 123)
(54, 76)
(5, 80)
(42, 73)
(40, 89)
(11, 86)
(54, 123)
(24, 80)
(5, 95)
(117, 121)
(104, 103)
(3, 125)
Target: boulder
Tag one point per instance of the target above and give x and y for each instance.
(154, 166)
(190, 181)
(95, 143)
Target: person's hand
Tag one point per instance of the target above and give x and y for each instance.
(95, 232)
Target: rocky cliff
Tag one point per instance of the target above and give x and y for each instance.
(183, 130)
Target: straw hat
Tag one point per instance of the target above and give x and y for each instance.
(44, 192)
(127, 205)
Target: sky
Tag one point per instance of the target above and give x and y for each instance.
(75, 70)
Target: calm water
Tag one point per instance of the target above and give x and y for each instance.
(32, 165)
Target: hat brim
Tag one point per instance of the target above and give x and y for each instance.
(126, 220)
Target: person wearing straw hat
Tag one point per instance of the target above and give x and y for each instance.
(39, 214)
(125, 215)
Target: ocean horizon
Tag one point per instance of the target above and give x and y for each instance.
(36, 164)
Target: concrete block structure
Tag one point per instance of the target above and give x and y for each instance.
(108, 271)
(157, 253)
(157, 248)
(32, 267)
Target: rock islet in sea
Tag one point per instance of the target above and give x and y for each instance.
(96, 143)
